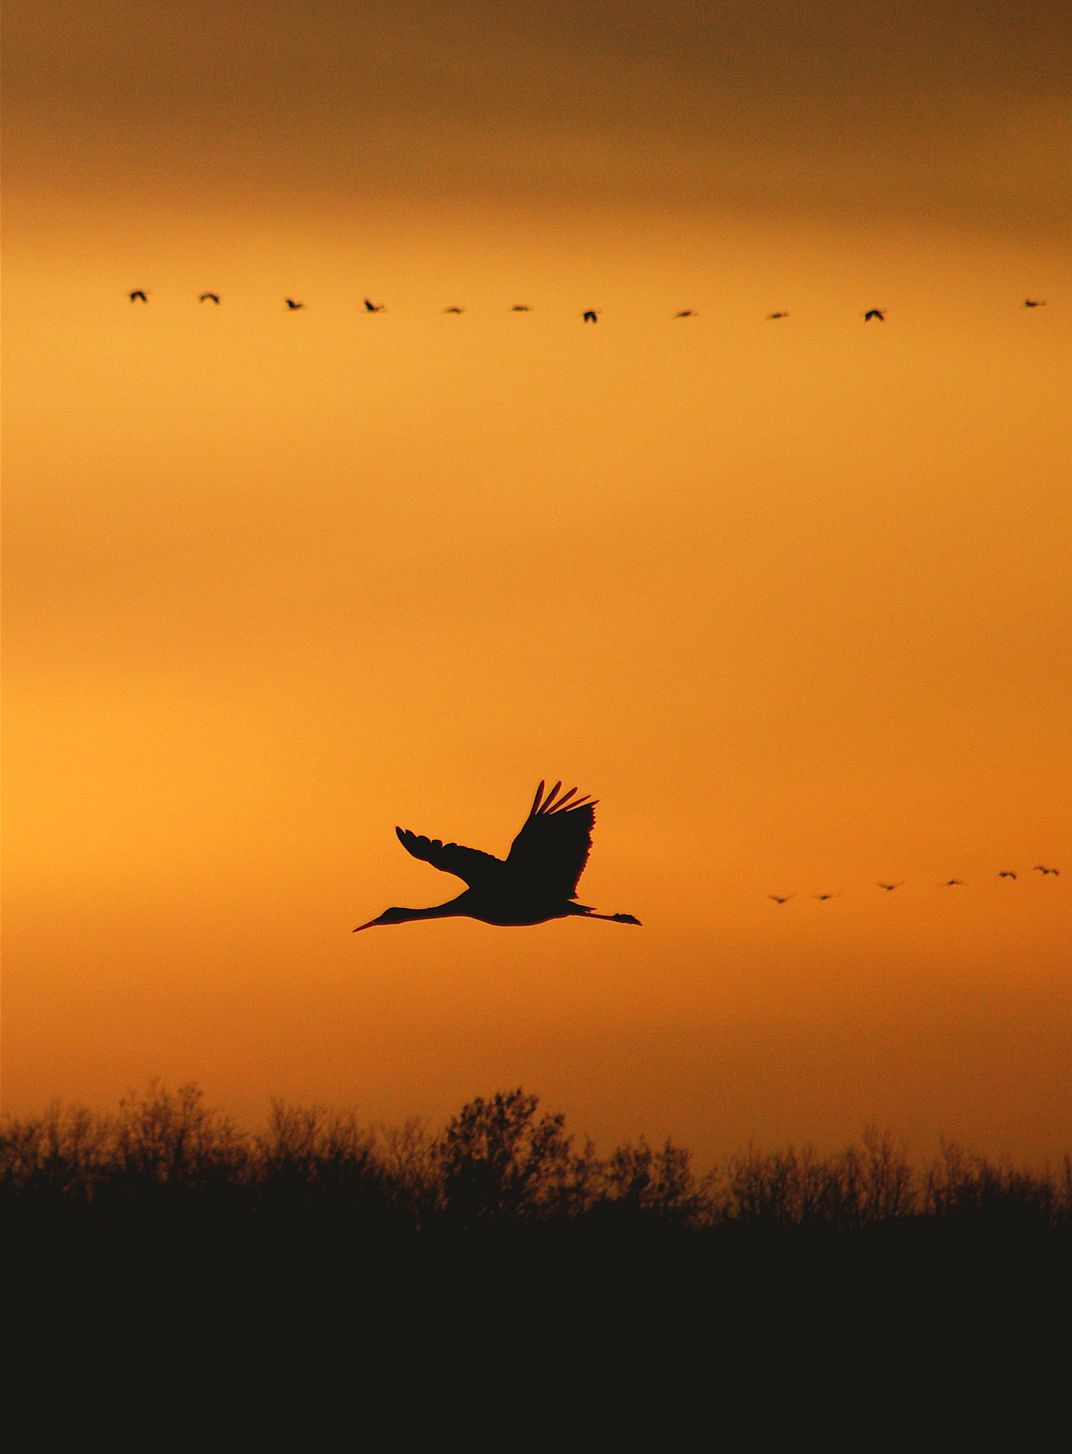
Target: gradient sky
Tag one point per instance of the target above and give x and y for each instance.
(791, 599)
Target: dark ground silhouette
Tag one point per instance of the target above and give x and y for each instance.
(501, 1275)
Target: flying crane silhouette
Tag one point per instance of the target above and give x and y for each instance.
(590, 315)
(1034, 302)
(879, 313)
(536, 882)
(292, 305)
(371, 307)
(139, 295)
(209, 298)
(890, 887)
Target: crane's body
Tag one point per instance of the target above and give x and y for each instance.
(536, 882)
(505, 911)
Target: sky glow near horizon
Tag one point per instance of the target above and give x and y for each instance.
(791, 599)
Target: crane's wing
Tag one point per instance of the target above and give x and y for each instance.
(469, 864)
(552, 848)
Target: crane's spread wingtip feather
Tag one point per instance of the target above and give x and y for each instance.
(565, 805)
(555, 801)
(536, 799)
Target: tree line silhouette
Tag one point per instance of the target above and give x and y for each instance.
(167, 1161)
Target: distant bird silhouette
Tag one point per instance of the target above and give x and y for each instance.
(292, 305)
(890, 887)
(453, 310)
(1041, 868)
(772, 316)
(520, 308)
(687, 313)
(1034, 302)
(209, 298)
(783, 899)
(371, 307)
(879, 313)
(1006, 873)
(823, 897)
(536, 882)
(590, 315)
(139, 296)
(953, 883)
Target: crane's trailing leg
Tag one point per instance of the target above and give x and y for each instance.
(584, 912)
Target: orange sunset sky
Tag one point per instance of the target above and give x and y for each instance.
(790, 598)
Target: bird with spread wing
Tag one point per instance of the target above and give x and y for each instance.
(536, 882)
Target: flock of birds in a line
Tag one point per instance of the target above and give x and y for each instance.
(537, 880)
(949, 883)
(589, 315)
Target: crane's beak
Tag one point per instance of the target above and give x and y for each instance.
(369, 925)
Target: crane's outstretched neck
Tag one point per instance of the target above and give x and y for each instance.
(449, 910)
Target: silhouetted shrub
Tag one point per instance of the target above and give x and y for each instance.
(500, 1163)
(171, 1138)
(61, 1155)
(960, 1185)
(409, 1159)
(858, 1187)
(644, 1184)
(315, 1164)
